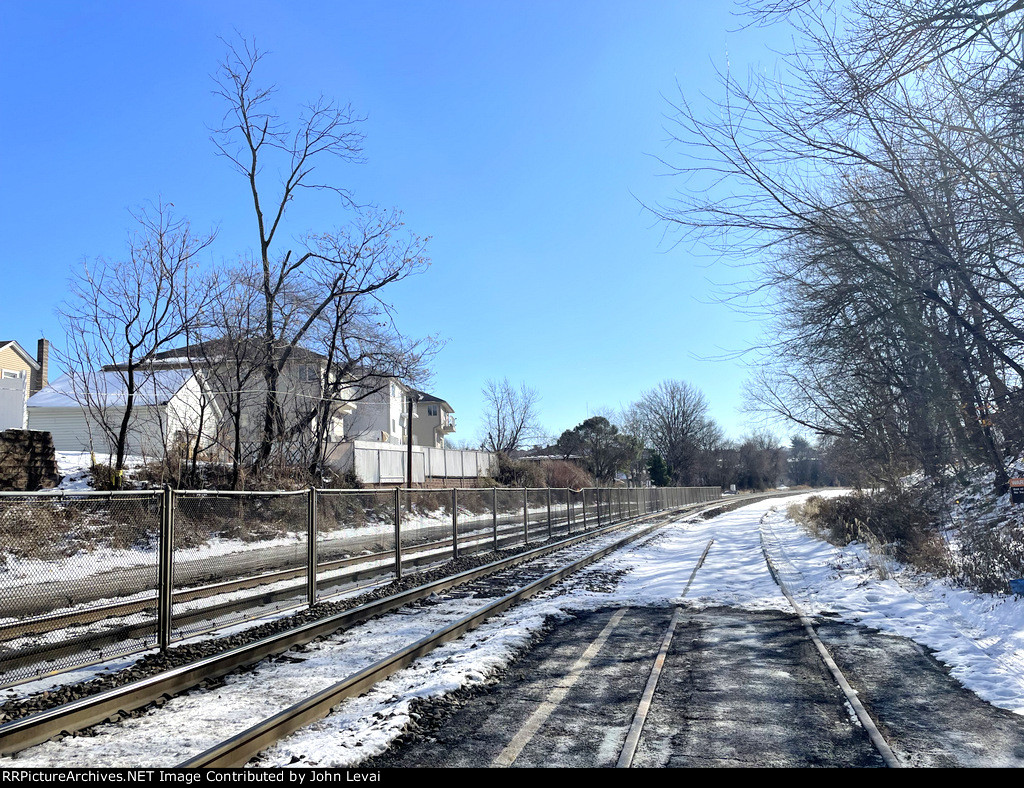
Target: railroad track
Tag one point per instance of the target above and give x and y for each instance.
(364, 571)
(565, 677)
(23, 733)
(863, 716)
(548, 706)
(242, 747)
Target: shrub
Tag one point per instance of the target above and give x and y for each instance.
(899, 522)
(990, 556)
(562, 473)
(105, 478)
(519, 473)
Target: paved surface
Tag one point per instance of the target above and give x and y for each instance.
(927, 717)
(739, 688)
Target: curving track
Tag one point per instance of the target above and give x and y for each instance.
(684, 685)
(23, 733)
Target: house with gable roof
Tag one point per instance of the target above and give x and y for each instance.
(382, 416)
(20, 377)
(171, 405)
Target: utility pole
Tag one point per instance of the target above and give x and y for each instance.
(408, 444)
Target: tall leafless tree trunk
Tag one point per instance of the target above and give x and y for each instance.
(337, 273)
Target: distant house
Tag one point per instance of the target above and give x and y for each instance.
(434, 419)
(382, 416)
(199, 394)
(171, 406)
(377, 433)
(238, 386)
(20, 377)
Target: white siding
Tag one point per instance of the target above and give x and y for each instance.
(73, 430)
(187, 410)
(371, 417)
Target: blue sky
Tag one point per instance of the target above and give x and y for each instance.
(521, 136)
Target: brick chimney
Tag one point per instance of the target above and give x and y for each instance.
(42, 377)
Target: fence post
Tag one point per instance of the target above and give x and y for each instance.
(398, 533)
(165, 590)
(549, 513)
(455, 524)
(311, 547)
(597, 504)
(494, 515)
(526, 516)
(583, 495)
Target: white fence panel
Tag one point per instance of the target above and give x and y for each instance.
(385, 463)
(13, 393)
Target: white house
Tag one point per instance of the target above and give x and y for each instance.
(171, 406)
(382, 417)
(240, 390)
(433, 420)
(20, 377)
(376, 436)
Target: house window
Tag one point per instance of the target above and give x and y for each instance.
(8, 374)
(309, 374)
(431, 410)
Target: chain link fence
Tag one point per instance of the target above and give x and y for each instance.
(88, 576)
(236, 556)
(78, 579)
(355, 538)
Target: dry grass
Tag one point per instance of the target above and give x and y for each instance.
(990, 555)
(49, 530)
(896, 526)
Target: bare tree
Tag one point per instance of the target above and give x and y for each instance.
(762, 461)
(225, 347)
(334, 276)
(355, 333)
(638, 444)
(878, 191)
(510, 416)
(121, 313)
(674, 417)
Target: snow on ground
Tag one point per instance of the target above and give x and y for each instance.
(187, 725)
(978, 636)
(822, 577)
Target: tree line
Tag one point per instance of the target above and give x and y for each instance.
(664, 438)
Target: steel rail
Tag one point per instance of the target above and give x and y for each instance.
(636, 728)
(19, 734)
(33, 624)
(144, 631)
(36, 625)
(239, 749)
(874, 734)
